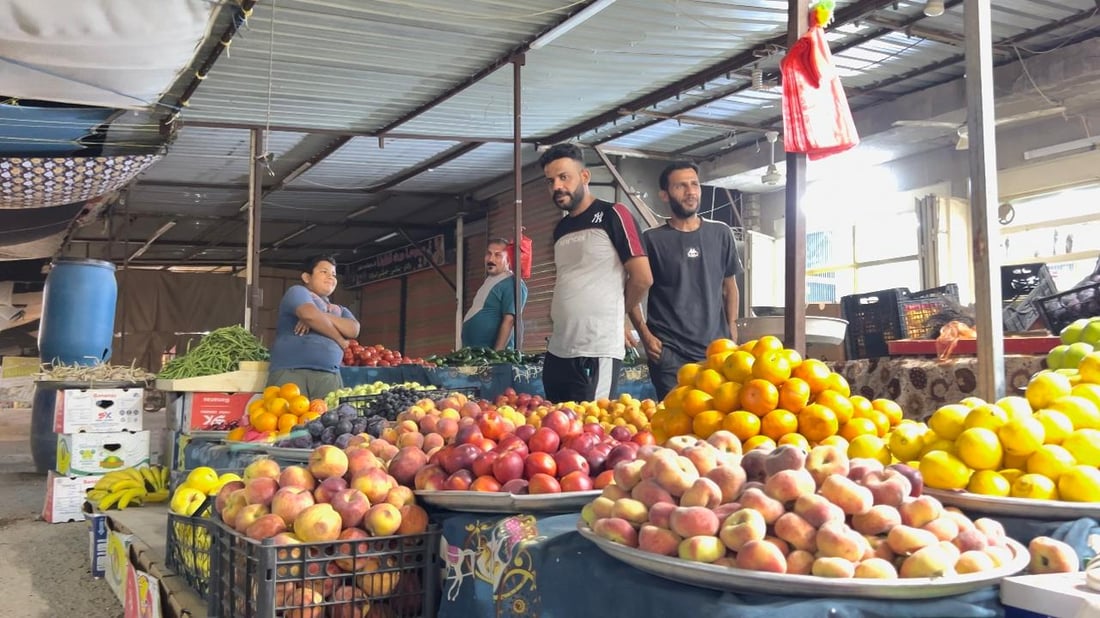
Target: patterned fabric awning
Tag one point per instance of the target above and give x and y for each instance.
(36, 182)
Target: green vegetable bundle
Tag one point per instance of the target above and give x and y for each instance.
(220, 351)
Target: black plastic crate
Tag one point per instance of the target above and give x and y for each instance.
(1027, 283)
(874, 318)
(918, 307)
(1061, 309)
(263, 580)
(190, 550)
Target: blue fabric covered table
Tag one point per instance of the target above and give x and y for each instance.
(493, 380)
(523, 565)
(354, 376)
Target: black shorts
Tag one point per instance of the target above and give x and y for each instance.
(581, 378)
(663, 372)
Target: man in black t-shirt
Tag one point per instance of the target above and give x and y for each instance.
(601, 270)
(694, 296)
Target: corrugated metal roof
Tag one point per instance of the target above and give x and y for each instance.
(361, 163)
(203, 155)
(483, 164)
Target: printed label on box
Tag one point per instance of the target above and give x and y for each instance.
(118, 560)
(215, 411)
(65, 497)
(99, 410)
(142, 594)
(80, 454)
(97, 541)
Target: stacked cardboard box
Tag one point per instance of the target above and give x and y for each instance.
(98, 431)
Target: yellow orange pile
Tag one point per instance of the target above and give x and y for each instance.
(625, 411)
(280, 409)
(766, 394)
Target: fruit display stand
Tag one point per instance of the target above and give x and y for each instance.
(921, 385)
(354, 376)
(526, 565)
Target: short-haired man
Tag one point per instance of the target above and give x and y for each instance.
(694, 296)
(601, 269)
(492, 314)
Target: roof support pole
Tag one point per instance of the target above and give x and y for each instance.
(517, 174)
(983, 196)
(794, 317)
(460, 260)
(253, 295)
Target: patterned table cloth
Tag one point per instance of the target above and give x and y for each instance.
(921, 385)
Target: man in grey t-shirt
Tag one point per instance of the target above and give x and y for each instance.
(694, 296)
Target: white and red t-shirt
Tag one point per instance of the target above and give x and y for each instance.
(588, 308)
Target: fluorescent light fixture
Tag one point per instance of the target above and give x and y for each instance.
(386, 237)
(152, 239)
(579, 18)
(933, 8)
(1057, 149)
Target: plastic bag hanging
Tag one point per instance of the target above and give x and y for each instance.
(816, 118)
(526, 255)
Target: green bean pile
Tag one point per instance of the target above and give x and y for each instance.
(220, 351)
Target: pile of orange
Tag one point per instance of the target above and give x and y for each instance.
(281, 408)
(766, 394)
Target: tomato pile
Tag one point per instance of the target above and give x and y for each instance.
(378, 356)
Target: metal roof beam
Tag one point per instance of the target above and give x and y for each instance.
(284, 128)
(846, 15)
(361, 223)
(219, 186)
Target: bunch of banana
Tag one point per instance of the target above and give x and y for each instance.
(132, 486)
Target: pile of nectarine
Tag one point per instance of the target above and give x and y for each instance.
(789, 511)
(325, 517)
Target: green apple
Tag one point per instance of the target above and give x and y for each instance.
(1075, 353)
(1056, 358)
(1091, 333)
(1072, 332)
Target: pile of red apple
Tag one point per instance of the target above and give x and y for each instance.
(377, 355)
(486, 452)
(334, 507)
(786, 511)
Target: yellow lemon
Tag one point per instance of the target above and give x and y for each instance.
(1056, 425)
(937, 444)
(1084, 445)
(942, 470)
(1051, 461)
(1021, 436)
(1080, 484)
(989, 483)
(869, 446)
(758, 441)
(1082, 412)
(1089, 369)
(1015, 461)
(973, 402)
(1015, 406)
(1034, 486)
(1045, 387)
(1090, 391)
(1011, 474)
(204, 479)
(986, 415)
(838, 441)
(948, 420)
(907, 440)
(980, 448)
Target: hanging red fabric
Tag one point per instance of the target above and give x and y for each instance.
(526, 255)
(816, 118)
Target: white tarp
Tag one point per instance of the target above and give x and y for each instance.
(111, 53)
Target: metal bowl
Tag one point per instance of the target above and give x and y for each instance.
(822, 330)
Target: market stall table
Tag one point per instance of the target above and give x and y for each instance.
(525, 565)
(921, 385)
(493, 380)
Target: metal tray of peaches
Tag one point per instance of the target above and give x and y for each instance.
(730, 578)
(499, 502)
(1016, 507)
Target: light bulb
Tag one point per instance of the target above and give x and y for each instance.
(933, 8)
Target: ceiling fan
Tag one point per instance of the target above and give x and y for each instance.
(963, 141)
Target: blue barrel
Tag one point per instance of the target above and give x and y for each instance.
(78, 312)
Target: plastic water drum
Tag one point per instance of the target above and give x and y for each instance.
(78, 313)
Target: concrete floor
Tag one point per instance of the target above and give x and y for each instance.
(44, 567)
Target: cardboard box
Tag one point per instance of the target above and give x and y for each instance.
(1058, 595)
(97, 540)
(142, 594)
(118, 561)
(209, 411)
(98, 410)
(83, 454)
(65, 497)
